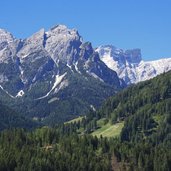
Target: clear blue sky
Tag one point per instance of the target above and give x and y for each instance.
(144, 24)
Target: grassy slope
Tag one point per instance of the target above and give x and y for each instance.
(104, 129)
(108, 130)
(75, 120)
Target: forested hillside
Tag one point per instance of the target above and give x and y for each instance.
(146, 109)
(144, 143)
(10, 119)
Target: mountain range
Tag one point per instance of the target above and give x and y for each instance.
(54, 75)
(129, 64)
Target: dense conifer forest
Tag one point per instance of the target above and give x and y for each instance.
(144, 143)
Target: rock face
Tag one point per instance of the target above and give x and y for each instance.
(53, 75)
(129, 65)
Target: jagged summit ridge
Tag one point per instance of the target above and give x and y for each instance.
(32, 44)
(129, 64)
(5, 36)
(59, 42)
(8, 46)
(54, 68)
(63, 43)
(120, 55)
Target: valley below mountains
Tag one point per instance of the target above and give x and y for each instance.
(67, 106)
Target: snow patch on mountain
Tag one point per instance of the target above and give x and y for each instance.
(7, 92)
(76, 67)
(20, 93)
(93, 108)
(70, 67)
(24, 80)
(95, 76)
(106, 58)
(61, 86)
(58, 80)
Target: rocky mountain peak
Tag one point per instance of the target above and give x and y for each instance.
(8, 46)
(52, 68)
(62, 32)
(63, 44)
(32, 44)
(58, 29)
(37, 37)
(86, 50)
(129, 64)
(120, 55)
(5, 36)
